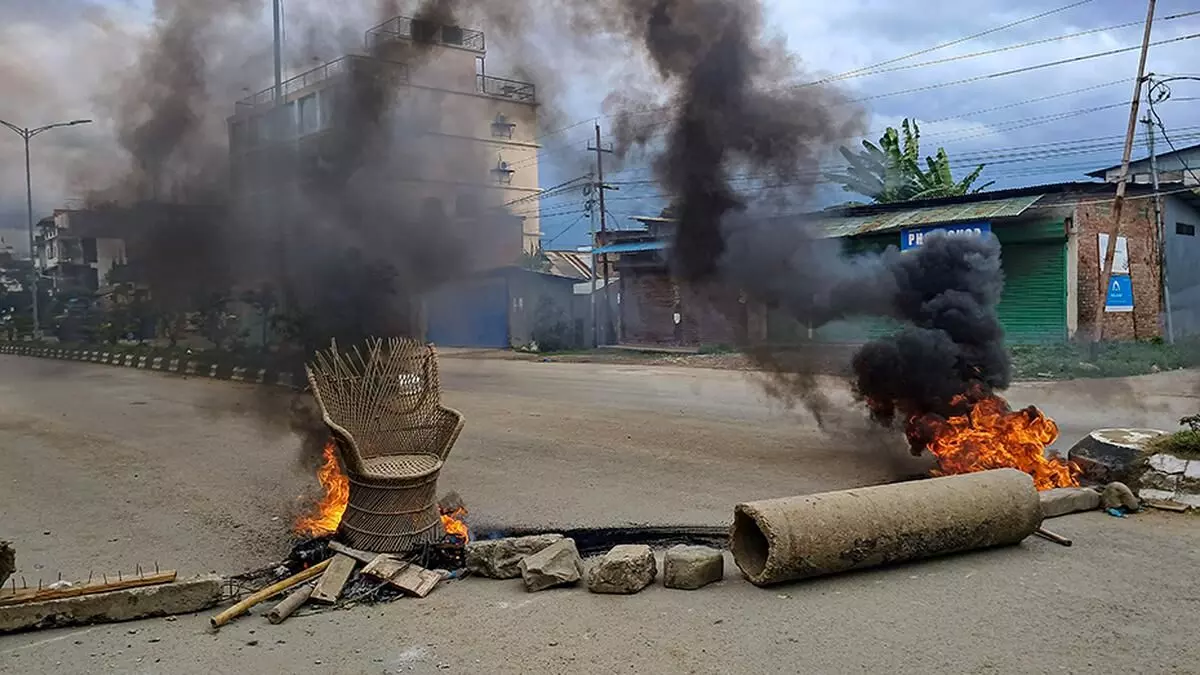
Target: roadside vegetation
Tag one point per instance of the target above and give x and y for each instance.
(1075, 360)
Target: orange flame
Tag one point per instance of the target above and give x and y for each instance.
(455, 526)
(991, 436)
(327, 513)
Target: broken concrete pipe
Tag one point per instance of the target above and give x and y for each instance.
(793, 538)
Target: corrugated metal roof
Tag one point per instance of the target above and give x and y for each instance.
(890, 220)
(632, 247)
(570, 264)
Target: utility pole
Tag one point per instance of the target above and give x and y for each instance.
(1105, 277)
(591, 202)
(600, 150)
(27, 135)
(277, 14)
(1159, 231)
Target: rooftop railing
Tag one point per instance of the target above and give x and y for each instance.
(406, 28)
(312, 77)
(501, 88)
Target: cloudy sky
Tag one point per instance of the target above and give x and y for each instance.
(1043, 125)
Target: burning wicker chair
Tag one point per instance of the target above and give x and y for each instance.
(393, 434)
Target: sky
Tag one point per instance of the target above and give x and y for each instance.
(1046, 124)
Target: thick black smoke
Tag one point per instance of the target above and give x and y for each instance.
(740, 109)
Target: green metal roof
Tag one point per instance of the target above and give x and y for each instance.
(890, 220)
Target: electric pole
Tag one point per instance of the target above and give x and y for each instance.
(27, 135)
(1159, 231)
(600, 151)
(1119, 201)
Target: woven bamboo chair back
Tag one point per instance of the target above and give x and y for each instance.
(384, 400)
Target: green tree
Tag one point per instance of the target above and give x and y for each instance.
(891, 171)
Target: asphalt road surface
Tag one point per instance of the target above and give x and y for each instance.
(107, 468)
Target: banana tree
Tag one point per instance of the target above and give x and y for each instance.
(891, 172)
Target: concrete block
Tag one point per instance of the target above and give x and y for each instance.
(1061, 501)
(692, 567)
(558, 564)
(624, 570)
(181, 597)
(501, 558)
(1193, 469)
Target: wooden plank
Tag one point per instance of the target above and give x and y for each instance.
(408, 577)
(357, 554)
(83, 588)
(330, 586)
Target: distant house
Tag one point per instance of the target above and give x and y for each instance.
(1050, 239)
(77, 249)
(1180, 166)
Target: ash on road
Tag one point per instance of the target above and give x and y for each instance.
(104, 468)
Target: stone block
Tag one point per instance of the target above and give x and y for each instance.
(1061, 501)
(180, 597)
(1117, 495)
(1156, 480)
(500, 558)
(692, 567)
(1193, 469)
(1168, 464)
(625, 569)
(558, 564)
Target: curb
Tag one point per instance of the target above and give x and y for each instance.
(198, 366)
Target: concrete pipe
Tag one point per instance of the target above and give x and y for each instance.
(778, 540)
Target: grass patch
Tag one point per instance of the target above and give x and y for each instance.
(1064, 361)
(1184, 444)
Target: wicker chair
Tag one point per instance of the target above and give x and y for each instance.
(384, 409)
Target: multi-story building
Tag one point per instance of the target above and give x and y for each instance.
(466, 145)
(76, 250)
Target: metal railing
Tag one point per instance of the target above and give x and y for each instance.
(406, 28)
(316, 75)
(502, 88)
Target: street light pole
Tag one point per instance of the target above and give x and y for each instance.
(26, 135)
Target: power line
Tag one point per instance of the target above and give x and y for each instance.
(959, 40)
(563, 231)
(881, 64)
(999, 50)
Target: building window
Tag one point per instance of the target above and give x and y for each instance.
(503, 173)
(466, 206)
(501, 127)
(309, 119)
(452, 35)
(1185, 229)
(424, 31)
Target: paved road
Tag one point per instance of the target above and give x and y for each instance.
(105, 468)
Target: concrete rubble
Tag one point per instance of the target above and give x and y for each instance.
(1061, 501)
(1169, 478)
(501, 558)
(624, 570)
(558, 564)
(692, 567)
(181, 597)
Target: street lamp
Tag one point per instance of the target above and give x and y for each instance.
(26, 134)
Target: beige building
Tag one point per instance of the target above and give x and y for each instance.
(468, 139)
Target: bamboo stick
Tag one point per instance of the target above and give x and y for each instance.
(266, 593)
(290, 604)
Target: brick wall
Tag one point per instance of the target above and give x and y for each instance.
(648, 302)
(712, 316)
(1137, 225)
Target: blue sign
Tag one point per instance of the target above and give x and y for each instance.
(1120, 294)
(914, 237)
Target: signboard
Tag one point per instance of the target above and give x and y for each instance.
(915, 237)
(1120, 284)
